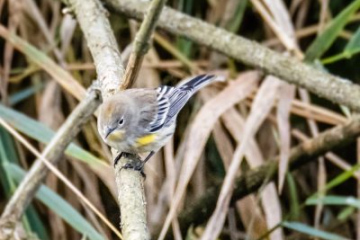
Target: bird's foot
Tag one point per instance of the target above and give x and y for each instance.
(137, 165)
(120, 155)
(134, 162)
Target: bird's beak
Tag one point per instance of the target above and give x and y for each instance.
(108, 131)
(113, 134)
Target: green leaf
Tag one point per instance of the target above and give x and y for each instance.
(341, 178)
(353, 46)
(58, 205)
(42, 133)
(20, 96)
(184, 45)
(326, 39)
(334, 200)
(35, 224)
(236, 20)
(31, 220)
(345, 213)
(7, 154)
(300, 227)
(294, 199)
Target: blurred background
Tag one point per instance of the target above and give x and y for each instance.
(282, 116)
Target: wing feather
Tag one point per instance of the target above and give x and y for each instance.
(172, 99)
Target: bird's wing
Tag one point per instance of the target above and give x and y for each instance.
(163, 106)
(171, 100)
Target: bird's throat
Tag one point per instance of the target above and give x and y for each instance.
(116, 135)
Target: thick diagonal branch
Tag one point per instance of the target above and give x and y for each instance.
(335, 89)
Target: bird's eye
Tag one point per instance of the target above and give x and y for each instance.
(121, 121)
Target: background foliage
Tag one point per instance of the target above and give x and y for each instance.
(320, 199)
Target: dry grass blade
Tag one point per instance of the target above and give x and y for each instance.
(282, 17)
(252, 216)
(250, 213)
(321, 178)
(311, 111)
(67, 28)
(200, 130)
(287, 40)
(248, 208)
(270, 200)
(35, 13)
(50, 114)
(321, 183)
(61, 76)
(223, 143)
(315, 112)
(283, 23)
(261, 107)
(50, 106)
(15, 12)
(175, 52)
(171, 173)
(54, 170)
(323, 15)
(286, 96)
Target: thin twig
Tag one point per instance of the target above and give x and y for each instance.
(253, 179)
(142, 42)
(286, 68)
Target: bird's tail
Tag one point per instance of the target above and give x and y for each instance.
(196, 83)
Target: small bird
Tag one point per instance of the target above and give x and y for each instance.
(142, 120)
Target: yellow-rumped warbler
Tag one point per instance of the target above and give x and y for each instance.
(142, 120)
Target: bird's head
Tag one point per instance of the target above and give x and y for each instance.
(114, 118)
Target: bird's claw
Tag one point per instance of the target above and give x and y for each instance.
(117, 158)
(136, 165)
(135, 162)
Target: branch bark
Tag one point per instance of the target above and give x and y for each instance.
(254, 179)
(103, 47)
(335, 89)
(92, 18)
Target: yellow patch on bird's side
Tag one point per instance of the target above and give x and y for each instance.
(145, 140)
